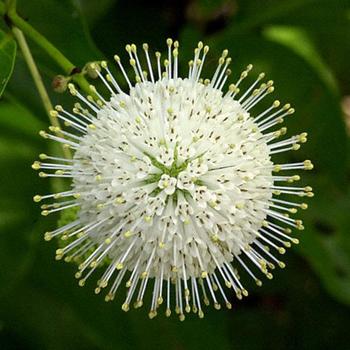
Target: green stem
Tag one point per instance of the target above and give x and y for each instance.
(33, 70)
(11, 5)
(41, 41)
(37, 80)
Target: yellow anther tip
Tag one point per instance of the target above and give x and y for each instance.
(42, 156)
(127, 234)
(119, 266)
(148, 218)
(53, 113)
(43, 133)
(258, 283)
(36, 165)
(47, 236)
(281, 250)
(125, 307)
(276, 103)
(81, 283)
(265, 223)
(92, 126)
(284, 130)
(37, 198)
(281, 264)
(217, 306)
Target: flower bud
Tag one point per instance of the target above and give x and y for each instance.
(59, 83)
(92, 69)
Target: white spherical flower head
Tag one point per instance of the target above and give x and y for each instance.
(173, 184)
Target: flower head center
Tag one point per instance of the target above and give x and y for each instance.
(168, 178)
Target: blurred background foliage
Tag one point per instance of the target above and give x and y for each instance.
(304, 45)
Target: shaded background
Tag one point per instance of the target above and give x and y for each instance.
(304, 45)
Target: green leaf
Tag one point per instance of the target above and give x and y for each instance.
(113, 30)
(93, 13)
(7, 59)
(64, 26)
(252, 15)
(326, 24)
(19, 223)
(326, 242)
(300, 42)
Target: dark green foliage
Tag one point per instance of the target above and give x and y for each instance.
(304, 46)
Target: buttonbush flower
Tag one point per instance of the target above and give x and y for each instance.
(173, 185)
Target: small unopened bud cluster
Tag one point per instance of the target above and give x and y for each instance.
(60, 82)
